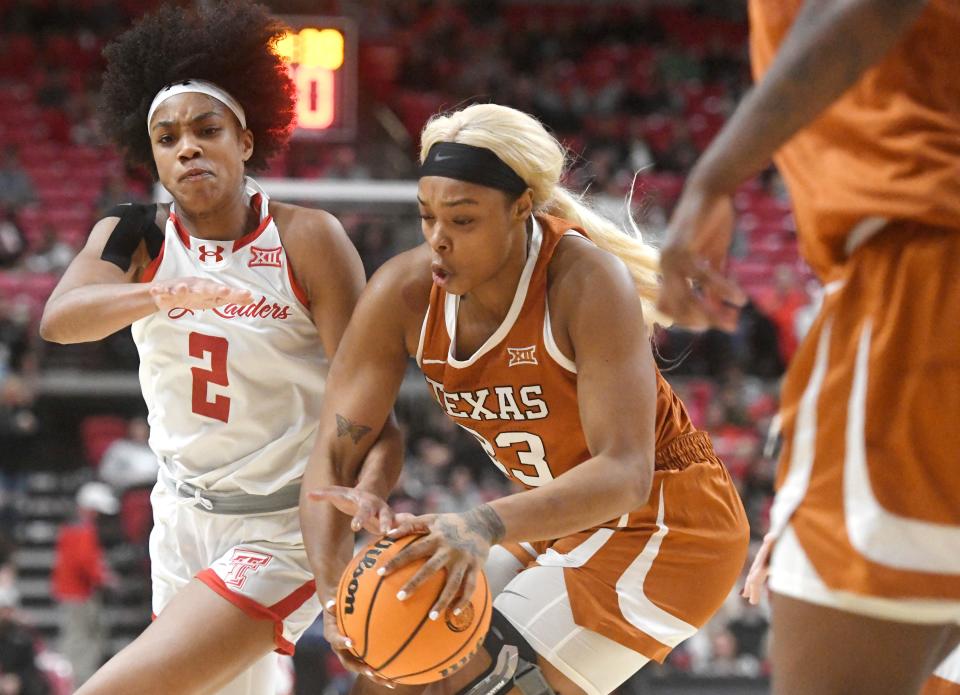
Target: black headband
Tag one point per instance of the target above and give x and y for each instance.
(478, 165)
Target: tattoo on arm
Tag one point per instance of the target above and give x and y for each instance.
(355, 431)
(487, 522)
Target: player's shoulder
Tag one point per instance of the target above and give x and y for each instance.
(302, 226)
(405, 281)
(579, 267)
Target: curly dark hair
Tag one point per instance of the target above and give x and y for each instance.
(228, 42)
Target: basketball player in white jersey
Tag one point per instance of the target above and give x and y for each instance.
(234, 301)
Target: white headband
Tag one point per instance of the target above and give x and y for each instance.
(198, 87)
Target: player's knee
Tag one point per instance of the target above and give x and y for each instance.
(513, 664)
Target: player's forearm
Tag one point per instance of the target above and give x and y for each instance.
(596, 491)
(381, 467)
(326, 532)
(335, 461)
(828, 48)
(93, 312)
(328, 540)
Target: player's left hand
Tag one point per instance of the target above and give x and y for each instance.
(369, 511)
(457, 543)
(342, 648)
(693, 258)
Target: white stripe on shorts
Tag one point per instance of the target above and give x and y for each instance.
(642, 613)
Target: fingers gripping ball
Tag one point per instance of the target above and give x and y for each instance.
(396, 638)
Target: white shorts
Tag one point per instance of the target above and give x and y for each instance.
(949, 670)
(535, 601)
(793, 575)
(256, 562)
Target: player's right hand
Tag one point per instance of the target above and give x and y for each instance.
(196, 294)
(759, 570)
(696, 293)
(342, 648)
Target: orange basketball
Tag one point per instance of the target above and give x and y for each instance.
(396, 638)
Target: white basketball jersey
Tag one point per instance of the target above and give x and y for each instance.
(234, 392)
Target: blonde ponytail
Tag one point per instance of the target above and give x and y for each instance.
(523, 143)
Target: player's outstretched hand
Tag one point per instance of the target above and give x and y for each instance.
(341, 647)
(693, 259)
(369, 511)
(757, 576)
(196, 294)
(457, 543)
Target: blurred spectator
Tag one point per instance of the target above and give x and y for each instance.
(12, 241)
(458, 495)
(19, 430)
(19, 674)
(130, 467)
(117, 190)
(16, 337)
(80, 572)
(9, 596)
(16, 188)
(52, 254)
(758, 339)
(54, 91)
(376, 249)
(343, 165)
(129, 462)
(788, 297)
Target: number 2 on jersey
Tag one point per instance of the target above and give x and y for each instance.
(200, 346)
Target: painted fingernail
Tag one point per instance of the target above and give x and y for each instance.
(457, 611)
(393, 532)
(349, 643)
(434, 615)
(368, 673)
(382, 571)
(401, 595)
(330, 604)
(391, 686)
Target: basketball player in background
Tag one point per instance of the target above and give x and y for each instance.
(860, 102)
(529, 316)
(233, 300)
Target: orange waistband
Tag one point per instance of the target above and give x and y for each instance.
(681, 451)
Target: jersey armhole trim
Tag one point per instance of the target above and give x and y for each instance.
(551, 344)
(297, 287)
(423, 333)
(151, 270)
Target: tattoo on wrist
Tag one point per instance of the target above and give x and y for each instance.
(347, 428)
(487, 522)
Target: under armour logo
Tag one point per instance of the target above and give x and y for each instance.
(216, 254)
(522, 355)
(242, 562)
(265, 257)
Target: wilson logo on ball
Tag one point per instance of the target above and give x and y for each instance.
(368, 560)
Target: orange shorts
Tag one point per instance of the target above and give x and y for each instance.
(869, 481)
(653, 581)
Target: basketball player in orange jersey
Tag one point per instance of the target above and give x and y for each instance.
(528, 315)
(860, 102)
(233, 301)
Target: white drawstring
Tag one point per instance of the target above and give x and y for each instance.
(197, 499)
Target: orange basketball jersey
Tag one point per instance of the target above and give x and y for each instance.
(889, 148)
(518, 393)
(647, 579)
